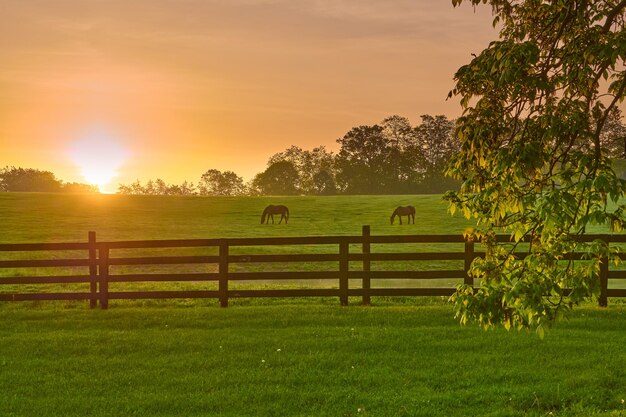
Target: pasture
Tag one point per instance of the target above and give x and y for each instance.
(30, 217)
(284, 357)
(63, 218)
(49, 217)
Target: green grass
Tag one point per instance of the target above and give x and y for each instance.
(30, 217)
(305, 359)
(58, 218)
(283, 357)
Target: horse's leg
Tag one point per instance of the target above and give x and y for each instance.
(400, 217)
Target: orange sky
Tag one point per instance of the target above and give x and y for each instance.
(188, 85)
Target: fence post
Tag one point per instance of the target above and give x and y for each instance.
(103, 272)
(223, 273)
(343, 272)
(366, 265)
(469, 257)
(93, 270)
(604, 279)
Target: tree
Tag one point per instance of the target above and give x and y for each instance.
(308, 164)
(15, 179)
(436, 143)
(405, 158)
(78, 188)
(364, 162)
(324, 183)
(613, 135)
(157, 187)
(531, 160)
(185, 188)
(217, 183)
(280, 178)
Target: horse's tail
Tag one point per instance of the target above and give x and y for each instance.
(263, 216)
(286, 214)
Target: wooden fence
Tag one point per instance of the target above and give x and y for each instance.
(355, 265)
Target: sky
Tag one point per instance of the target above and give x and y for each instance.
(111, 91)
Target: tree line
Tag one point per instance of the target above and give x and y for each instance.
(391, 157)
(16, 179)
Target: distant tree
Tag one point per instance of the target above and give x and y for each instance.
(78, 188)
(364, 162)
(613, 135)
(186, 188)
(280, 178)
(150, 188)
(406, 157)
(157, 187)
(160, 187)
(123, 189)
(307, 164)
(14, 179)
(218, 183)
(436, 143)
(324, 183)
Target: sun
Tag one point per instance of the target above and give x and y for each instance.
(98, 157)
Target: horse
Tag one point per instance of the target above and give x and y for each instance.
(408, 211)
(270, 210)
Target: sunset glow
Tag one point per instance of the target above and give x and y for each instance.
(98, 157)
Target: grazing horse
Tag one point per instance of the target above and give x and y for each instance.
(271, 210)
(408, 211)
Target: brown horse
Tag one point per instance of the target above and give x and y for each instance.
(408, 211)
(269, 212)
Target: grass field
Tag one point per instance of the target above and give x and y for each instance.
(284, 357)
(58, 218)
(30, 217)
(305, 359)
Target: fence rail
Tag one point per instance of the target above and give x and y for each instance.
(350, 266)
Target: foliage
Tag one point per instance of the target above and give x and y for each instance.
(280, 178)
(532, 163)
(436, 142)
(406, 160)
(317, 163)
(395, 157)
(613, 135)
(364, 162)
(324, 183)
(217, 183)
(14, 179)
(157, 187)
(79, 188)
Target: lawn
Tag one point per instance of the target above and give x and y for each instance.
(304, 359)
